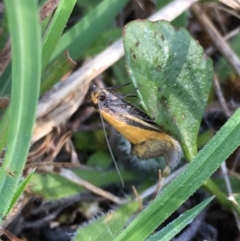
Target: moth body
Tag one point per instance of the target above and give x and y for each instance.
(146, 138)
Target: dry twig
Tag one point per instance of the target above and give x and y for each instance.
(217, 39)
(159, 184)
(94, 189)
(138, 198)
(220, 96)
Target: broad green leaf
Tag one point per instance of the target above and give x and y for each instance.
(52, 186)
(100, 159)
(179, 223)
(108, 226)
(173, 75)
(184, 185)
(24, 29)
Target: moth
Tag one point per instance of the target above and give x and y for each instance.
(146, 138)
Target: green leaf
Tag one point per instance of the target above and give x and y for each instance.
(179, 223)
(20, 190)
(87, 5)
(109, 226)
(204, 164)
(79, 38)
(100, 159)
(162, 3)
(53, 186)
(5, 81)
(181, 20)
(4, 31)
(103, 41)
(85, 31)
(174, 77)
(55, 29)
(54, 72)
(221, 183)
(4, 128)
(204, 137)
(24, 29)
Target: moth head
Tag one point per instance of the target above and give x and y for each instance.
(101, 97)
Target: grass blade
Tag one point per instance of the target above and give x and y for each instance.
(206, 162)
(24, 28)
(55, 29)
(179, 223)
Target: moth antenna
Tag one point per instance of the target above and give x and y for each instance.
(117, 87)
(128, 95)
(109, 147)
